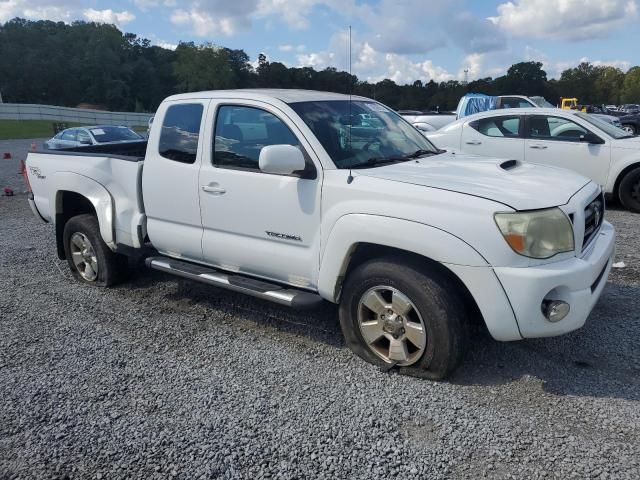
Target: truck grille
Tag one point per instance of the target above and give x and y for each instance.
(593, 218)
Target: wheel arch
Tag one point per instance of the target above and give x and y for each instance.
(365, 251)
(358, 237)
(76, 194)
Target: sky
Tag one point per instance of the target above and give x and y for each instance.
(404, 40)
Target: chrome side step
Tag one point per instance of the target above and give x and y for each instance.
(290, 297)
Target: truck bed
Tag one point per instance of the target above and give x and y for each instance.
(107, 175)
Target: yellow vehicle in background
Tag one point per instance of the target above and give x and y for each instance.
(571, 104)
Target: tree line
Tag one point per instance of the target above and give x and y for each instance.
(68, 64)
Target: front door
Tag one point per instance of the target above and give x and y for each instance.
(494, 136)
(256, 223)
(557, 141)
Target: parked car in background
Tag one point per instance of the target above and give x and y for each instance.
(562, 138)
(297, 196)
(630, 123)
(427, 121)
(96, 135)
(630, 108)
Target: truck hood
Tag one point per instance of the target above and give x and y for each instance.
(519, 185)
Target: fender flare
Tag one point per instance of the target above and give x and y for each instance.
(93, 191)
(424, 240)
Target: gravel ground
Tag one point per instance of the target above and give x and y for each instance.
(161, 378)
(9, 169)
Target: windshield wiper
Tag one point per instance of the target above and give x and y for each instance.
(376, 161)
(422, 153)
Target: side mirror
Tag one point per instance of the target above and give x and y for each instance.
(591, 138)
(85, 141)
(281, 159)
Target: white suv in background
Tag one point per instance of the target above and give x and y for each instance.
(562, 138)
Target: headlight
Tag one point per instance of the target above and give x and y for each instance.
(537, 234)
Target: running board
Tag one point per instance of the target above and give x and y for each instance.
(298, 299)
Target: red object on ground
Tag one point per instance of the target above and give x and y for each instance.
(8, 192)
(7, 156)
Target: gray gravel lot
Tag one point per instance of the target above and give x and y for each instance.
(9, 169)
(162, 378)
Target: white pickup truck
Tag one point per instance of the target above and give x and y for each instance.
(299, 197)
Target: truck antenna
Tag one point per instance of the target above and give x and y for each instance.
(350, 177)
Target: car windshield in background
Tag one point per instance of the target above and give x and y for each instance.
(606, 127)
(542, 102)
(108, 134)
(361, 134)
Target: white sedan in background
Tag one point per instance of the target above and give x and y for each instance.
(550, 136)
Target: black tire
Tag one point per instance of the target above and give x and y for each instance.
(630, 128)
(433, 296)
(112, 267)
(629, 190)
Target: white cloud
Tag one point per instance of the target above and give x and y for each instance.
(215, 16)
(564, 19)
(57, 11)
(295, 13)
(108, 16)
(292, 48)
(37, 10)
(371, 64)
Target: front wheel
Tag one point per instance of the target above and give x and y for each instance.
(393, 312)
(630, 129)
(629, 190)
(90, 259)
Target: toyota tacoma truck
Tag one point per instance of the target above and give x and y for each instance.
(300, 197)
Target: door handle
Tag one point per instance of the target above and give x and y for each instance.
(474, 142)
(538, 147)
(214, 189)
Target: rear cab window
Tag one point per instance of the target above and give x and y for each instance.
(180, 132)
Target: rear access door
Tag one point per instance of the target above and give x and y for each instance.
(170, 179)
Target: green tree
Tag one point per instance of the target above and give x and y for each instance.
(631, 86)
(202, 67)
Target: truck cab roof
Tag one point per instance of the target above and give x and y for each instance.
(282, 94)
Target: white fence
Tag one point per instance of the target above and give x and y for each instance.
(27, 111)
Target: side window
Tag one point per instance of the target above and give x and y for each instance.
(83, 137)
(554, 128)
(507, 126)
(241, 132)
(514, 102)
(69, 134)
(180, 132)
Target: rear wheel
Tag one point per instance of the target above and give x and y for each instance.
(395, 313)
(90, 259)
(630, 129)
(629, 190)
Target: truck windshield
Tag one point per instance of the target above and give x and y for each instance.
(363, 134)
(107, 134)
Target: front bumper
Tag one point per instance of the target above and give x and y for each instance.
(578, 281)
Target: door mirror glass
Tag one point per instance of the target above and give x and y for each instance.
(281, 159)
(591, 138)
